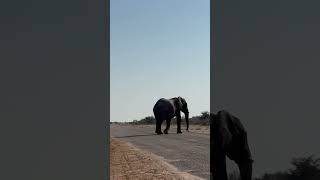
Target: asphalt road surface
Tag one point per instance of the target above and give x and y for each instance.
(189, 151)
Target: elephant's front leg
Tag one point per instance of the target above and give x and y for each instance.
(245, 169)
(243, 157)
(179, 123)
(168, 126)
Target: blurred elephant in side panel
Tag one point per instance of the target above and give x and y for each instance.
(229, 139)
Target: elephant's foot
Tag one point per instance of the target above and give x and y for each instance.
(159, 132)
(178, 132)
(165, 131)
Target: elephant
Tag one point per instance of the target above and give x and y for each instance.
(166, 109)
(229, 140)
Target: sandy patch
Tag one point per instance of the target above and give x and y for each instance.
(130, 163)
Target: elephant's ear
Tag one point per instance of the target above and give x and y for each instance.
(180, 102)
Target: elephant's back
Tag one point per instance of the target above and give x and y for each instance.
(163, 106)
(233, 123)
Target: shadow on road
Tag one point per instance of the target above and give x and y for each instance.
(136, 135)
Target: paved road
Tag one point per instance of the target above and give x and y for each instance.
(189, 152)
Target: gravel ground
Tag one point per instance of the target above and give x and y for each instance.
(189, 152)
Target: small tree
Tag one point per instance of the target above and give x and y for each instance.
(205, 115)
(147, 120)
(274, 176)
(305, 168)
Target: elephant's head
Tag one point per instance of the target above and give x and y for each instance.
(183, 106)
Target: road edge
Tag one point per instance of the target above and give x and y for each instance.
(160, 161)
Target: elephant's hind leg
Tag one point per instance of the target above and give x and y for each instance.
(168, 126)
(158, 125)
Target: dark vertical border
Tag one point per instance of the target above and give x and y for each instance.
(107, 43)
(211, 80)
(215, 12)
(54, 92)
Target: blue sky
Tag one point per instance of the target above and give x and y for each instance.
(159, 48)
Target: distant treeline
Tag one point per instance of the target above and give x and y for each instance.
(303, 168)
(203, 119)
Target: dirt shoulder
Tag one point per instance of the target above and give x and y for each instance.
(130, 163)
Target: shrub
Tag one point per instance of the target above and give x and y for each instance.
(304, 168)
